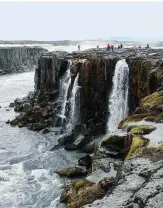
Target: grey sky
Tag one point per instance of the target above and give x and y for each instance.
(78, 21)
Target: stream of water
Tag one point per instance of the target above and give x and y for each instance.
(27, 167)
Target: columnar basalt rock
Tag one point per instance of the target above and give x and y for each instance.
(19, 59)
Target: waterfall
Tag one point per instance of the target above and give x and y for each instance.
(65, 82)
(118, 101)
(74, 104)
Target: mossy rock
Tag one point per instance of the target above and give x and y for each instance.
(153, 153)
(116, 140)
(150, 118)
(157, 118)
(153, 100)
(81, 183)
(83, 192)
(137, 143)
(73, 172)
(20, 124)
(141, 129)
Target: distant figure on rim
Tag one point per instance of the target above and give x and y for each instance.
(108, 47)
(147, 45)
(121, 45)
(78, 47)
(97, 46)
(112, 47)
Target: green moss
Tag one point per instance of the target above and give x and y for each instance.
(137, 143)
(153, 100)
(141, 129)
(20, 124)
(81, 184)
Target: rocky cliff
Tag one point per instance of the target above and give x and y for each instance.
(19, 59)
(126, 167)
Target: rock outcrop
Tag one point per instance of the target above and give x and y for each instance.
(19, 59)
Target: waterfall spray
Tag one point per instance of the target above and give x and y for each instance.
(118, 101)
(75, 104)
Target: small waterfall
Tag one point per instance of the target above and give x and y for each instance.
(74, 104)
(118, 102)
(63, 92)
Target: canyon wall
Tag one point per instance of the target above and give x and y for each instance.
(19, 59)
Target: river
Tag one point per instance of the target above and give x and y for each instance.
(27, 167)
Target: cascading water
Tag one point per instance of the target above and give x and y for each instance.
(74, 104)
(63, 92)
(118, 101)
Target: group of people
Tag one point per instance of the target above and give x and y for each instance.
(110, 47)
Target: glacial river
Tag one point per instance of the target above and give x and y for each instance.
(27, 167)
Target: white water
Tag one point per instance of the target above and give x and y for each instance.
(75, 104)
(27, 167)
(63, 91)
(118, 101)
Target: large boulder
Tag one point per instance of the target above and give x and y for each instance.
(141, 129)
(83, 192)
(81, 140)
(85, 161)
(66, 139)
(73, 172)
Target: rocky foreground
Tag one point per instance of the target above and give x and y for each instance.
(126, 168)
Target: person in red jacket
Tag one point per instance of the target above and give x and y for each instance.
(112, 47)
(108, 47)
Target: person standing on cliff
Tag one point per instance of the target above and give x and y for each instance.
(112, 47)
(147, 45)
(78, 47)
(108, 47)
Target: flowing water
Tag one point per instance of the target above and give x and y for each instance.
(63, 92)
(118, 100)
(75, 104)
(27, 167)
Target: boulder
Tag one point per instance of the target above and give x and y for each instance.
(70, 147)
(66, 139)
(90, 147)
(73, 172)
(45, 131)
(84, 192)
(81, 140)
(116, 140)
(141, 129)
(85, 161)
(27, 106)
(37, 126)
(18, 108)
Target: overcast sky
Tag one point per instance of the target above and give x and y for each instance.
(78, 21)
